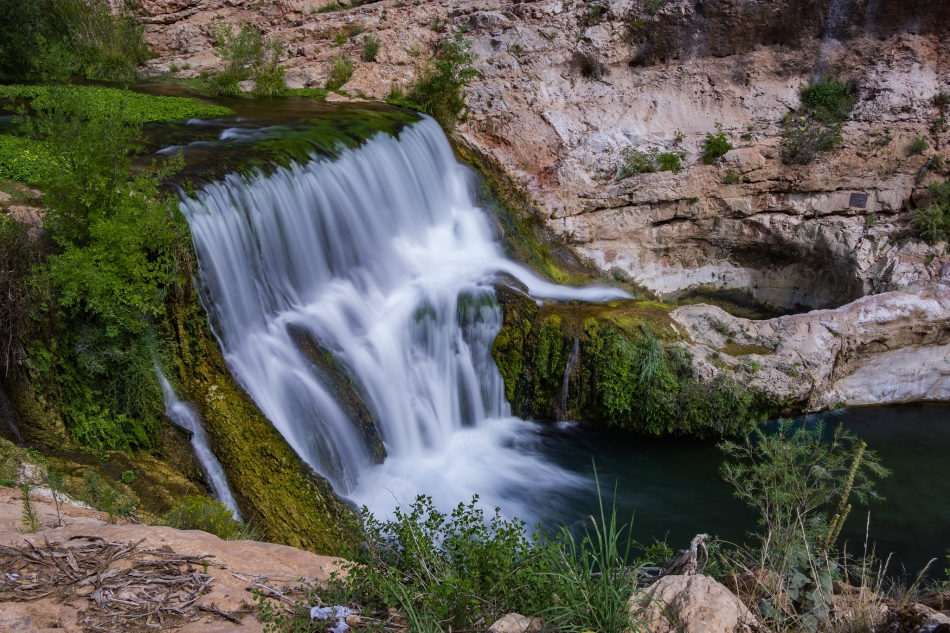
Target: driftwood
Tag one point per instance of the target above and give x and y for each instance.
(150, 589)
(685, 563)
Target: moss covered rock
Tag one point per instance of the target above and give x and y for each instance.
(623, 363)
(275, 489)
(340, 385)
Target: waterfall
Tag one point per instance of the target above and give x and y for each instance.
(566, 380)
(382, 256)
(182, 414)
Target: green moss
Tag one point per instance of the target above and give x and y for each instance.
(631, 370)
(288, 501)
(137, 107)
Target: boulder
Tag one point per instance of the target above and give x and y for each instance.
(516, 623)
(691, 604)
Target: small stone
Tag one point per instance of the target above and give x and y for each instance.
(516, 623)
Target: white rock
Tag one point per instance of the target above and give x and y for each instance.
(691, 604)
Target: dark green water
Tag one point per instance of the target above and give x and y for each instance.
(672, 485)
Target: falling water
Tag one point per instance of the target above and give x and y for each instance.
(383, 258)
(182, 414)
(566, 380)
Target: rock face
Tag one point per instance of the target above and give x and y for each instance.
(893, 347)
(691, 604)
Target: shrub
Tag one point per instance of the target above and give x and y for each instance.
(793, 478)
(670, 161)
(829, 100)
(804, 138)
(340, 71)
(715, 146)
(439, 89)
(463, 570)
(595, 14)
(636, 161)
(588, 64)
(653, 6)
(731, 177)
(78, 35)
(933, 223)
(207, 515)
(370, 48)
(247, 54)
(918, 146)
(117, 240)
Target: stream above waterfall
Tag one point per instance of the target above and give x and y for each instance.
(377, 250)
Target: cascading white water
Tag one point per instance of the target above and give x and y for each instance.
(182, 414)
(383, 257)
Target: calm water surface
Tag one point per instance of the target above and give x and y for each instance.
(673, 488)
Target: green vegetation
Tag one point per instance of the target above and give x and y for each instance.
(653, 6)
(115, 244)
(213, 517)
(919, 145)
(463, 570)
(715, 146)
(636, 161)
(30, 518)
(933, 223)
(312, 93)
(340, 71)
(115, 500)
(731, 177)
(595, 14)
(247, 54)
(97, 101)
(439, 87)
(51, 39)
(371, 45)
(795, 478)
(815, 127)
(630, 372)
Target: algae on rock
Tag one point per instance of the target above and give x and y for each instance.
(631, 370)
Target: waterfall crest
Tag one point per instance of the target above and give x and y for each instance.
(383, 258)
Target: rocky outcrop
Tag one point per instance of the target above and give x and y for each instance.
(893, 347)
(234, 566)
(691, 604)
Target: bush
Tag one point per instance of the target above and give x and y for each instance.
(370, 48)
(804, 138)
(595, 14)
(464, 570)
(247, 54)
(731, 177)
(207, 515)
(918, 146)
(439, 88)
(117, 240)
(933, 223)
(340, 71)
(670, 161)
(829, 100)
(636, 161)
(62, 36)
(793, 478)
(715, 146)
